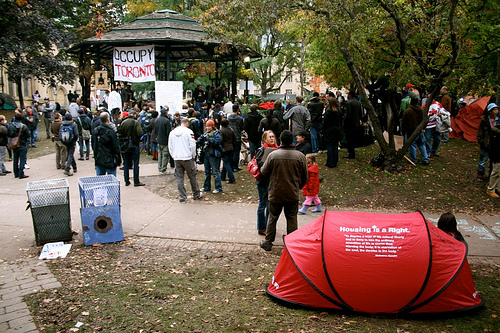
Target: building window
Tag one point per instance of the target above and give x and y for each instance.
(288, 91)
(25, 88)
(289, 76)
(256, 92)
(12, 88)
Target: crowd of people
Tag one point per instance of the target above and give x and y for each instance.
(284, 140)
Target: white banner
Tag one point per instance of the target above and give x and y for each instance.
(134, 64)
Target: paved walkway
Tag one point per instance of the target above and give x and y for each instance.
(155, 222)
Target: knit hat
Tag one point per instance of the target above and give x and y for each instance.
(124, 114)
(491, 106)
(210, 123)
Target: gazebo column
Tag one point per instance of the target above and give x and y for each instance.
(167, 63)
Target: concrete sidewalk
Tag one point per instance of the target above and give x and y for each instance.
(147, 214)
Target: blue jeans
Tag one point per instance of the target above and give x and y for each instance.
(483, 159)
(19, 160)
(226, 167)
(316, 137)
(332, 154)
(236, 155)
(212, 165)
(130, 159)
(70, 160)
(262, 209)
(434, 135)
(419, 142)
(101, 171)
(253, 148)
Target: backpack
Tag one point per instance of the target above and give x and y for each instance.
(66, 134)
(194, 125)
(146, 125)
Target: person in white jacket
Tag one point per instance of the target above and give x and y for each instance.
(182, 148)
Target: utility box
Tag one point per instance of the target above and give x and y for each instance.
(49, 203)
(100, 209)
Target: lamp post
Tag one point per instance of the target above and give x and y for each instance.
(247, 66)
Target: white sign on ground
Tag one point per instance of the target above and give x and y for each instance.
(169, 93)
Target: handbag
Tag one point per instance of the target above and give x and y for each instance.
(15, 142)
(253, 168)
(126, 143)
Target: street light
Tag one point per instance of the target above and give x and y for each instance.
(247, 66)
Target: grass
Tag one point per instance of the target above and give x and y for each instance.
(447, 184)
(130, 288)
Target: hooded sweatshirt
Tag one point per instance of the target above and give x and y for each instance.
(181, 144)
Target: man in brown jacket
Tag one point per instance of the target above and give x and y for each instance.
(287, 172)
(61, 153)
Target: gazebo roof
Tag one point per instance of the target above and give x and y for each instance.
(182, 36)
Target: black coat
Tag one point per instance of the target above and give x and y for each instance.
(163, 126)
(352, 115)
(494, 149)
(14, 131)
(251, 126)
(106, 147)
(315, 107)
(332, 126)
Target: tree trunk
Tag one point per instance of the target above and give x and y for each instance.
(20, 92)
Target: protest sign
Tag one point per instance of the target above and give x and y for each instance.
(134, 64)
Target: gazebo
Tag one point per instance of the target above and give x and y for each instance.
(176, 38)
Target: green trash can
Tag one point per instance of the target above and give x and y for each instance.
(49, 203)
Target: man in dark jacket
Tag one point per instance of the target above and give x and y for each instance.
(4, 137)
(30, 122)
(236, 124)
(84, 126)
(70, 146)
(412, 117)
(316, 107)
(351, 123)
(130, 128)
(17, 128)
(163, 126)
(287, 172)
(251, 126)
(106, 147)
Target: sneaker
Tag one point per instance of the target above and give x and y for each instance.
(492, 193)
(68, 173)
(216, 191)
(182, 200)
(231, 182)
(26, 166)
(265, 246)
(80, 158)
(199, 196)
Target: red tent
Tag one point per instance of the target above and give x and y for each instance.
(466, 123)
(266, 105)
(374, 263)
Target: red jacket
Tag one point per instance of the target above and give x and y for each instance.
(312, 186)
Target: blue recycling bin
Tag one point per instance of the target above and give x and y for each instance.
(100, 209)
